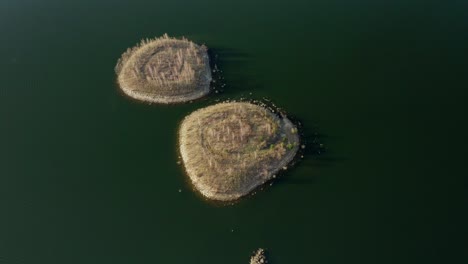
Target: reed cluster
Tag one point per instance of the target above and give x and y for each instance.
(228, 149)
(165, 70)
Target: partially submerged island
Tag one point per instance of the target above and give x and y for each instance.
(259, 257)
(165, 70)
(229, 149)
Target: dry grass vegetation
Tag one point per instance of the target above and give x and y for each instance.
(165, 70)
(228, 149)
(259, 257)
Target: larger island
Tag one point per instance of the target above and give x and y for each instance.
(229, 149)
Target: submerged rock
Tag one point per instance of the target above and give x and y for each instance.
(229, 149)
(165, 70)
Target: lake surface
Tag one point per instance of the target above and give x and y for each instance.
(90, 176)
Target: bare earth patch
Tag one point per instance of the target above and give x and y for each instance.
(165, 70)
(229, 149)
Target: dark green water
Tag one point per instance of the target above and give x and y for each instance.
(89, 176)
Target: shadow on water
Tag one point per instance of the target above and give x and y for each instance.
(230, 76)
(313, 152)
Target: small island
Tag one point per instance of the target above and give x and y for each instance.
(229, 149)
(165, 70)
(259, 257)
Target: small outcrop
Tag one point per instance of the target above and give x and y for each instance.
(259, 257)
